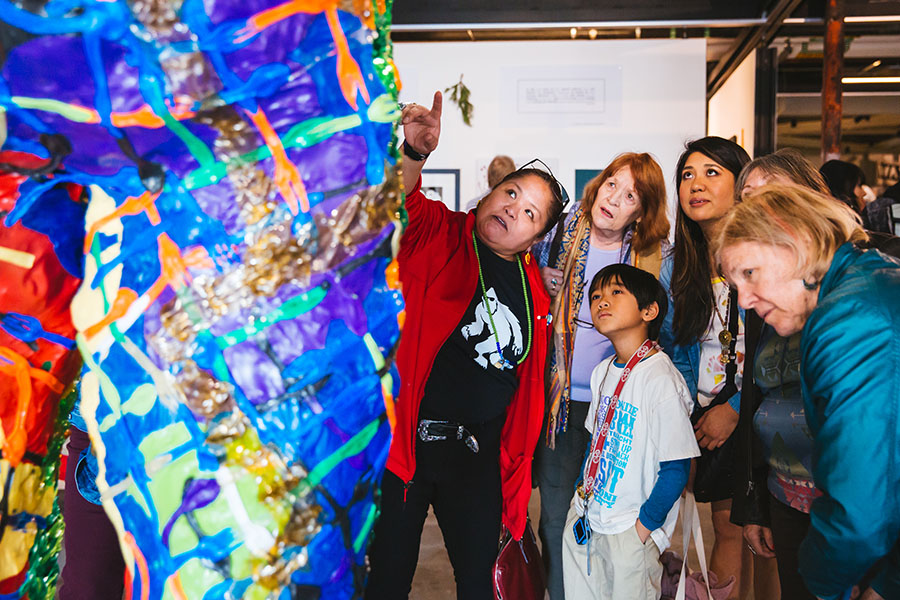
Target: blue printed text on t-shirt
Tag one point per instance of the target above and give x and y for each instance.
(616, 451)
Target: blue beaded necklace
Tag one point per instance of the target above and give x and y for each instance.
(503, 362)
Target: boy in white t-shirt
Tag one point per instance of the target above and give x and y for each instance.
(631, 488)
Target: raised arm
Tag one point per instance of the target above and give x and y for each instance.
(421, 130)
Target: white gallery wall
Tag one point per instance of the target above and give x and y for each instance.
(732, 109)
(575, 104)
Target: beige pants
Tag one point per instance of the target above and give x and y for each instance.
(622, 568)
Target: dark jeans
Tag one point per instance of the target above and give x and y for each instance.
(94, 569)
(557, 472)
(789, 527)
(464, 489)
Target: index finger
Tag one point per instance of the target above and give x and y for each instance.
(437, 105)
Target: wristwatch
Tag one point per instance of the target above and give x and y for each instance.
(408, 151)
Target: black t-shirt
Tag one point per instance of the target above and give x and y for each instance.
(468, 382)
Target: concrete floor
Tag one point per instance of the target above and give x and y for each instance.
(434, 575)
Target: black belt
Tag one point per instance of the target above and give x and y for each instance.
(435, 431)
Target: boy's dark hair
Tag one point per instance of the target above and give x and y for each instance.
(642, 285)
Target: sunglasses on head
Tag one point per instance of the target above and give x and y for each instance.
(540, 165)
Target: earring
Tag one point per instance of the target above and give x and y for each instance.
(810, 286)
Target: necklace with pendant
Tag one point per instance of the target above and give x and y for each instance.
(725, 337)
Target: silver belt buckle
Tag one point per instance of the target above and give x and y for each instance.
(425, 436)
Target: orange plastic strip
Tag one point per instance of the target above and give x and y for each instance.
(389, 406)
(47, 379)
(16, 439)
(143, 571)
(198, 257)
(146, 202)
(176, 587)
(146, 118)
(124, 299)
(23, 372)
(273, 15)
(350, 78)
(287, 178)
(173, 270)
(128, 580)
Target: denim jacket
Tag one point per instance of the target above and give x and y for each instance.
(687, 357)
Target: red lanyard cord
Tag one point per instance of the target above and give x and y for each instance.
(601, 430)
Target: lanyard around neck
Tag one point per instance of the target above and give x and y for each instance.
(601, 430)
(502, 362)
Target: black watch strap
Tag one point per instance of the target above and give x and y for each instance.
(408, 151)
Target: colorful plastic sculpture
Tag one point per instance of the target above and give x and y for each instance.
(240, 307)
(40, 270)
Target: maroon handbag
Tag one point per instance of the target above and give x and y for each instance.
(519, 570)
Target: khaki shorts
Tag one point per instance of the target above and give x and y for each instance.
(621, 566)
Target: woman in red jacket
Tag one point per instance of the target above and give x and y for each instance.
(471, 363)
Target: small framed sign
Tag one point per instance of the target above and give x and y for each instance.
(442, 185)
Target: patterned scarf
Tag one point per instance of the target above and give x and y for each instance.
(573, 254)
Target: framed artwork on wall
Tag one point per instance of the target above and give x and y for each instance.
(582, 177)
(442, 185)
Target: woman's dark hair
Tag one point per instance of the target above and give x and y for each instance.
(692, 291)
(842, 178)
(788, 163)
(893, 192)
(556, 205)
(645, 288)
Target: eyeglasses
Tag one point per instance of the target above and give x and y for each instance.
(584, 324)
(540, 165)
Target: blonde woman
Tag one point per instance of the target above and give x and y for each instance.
(792, 253)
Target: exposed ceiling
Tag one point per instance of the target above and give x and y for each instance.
(732, 29)
(482, 12)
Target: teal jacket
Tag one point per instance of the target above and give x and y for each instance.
(850, 372)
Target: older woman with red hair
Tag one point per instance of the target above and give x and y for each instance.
(620, 219)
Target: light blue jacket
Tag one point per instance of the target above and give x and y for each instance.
(850, 373)
(685, 358)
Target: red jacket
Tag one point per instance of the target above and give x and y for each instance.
(439, 274)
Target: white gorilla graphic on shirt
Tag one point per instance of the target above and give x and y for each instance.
(509, 332)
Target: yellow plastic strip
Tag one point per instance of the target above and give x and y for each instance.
(16, 257)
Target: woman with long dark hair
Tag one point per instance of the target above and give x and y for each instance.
(845, 180)
(707, 337)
